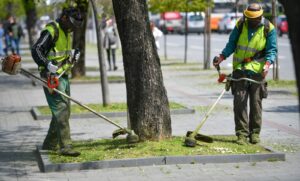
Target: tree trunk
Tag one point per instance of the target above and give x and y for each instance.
(31, 19)
(146, 95)
(291, 9)
(79, 40)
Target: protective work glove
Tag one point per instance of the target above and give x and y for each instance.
(52, 68)
(218, 60)
(266, 69)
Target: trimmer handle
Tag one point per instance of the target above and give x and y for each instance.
(215, 60)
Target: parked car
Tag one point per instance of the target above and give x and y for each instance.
(195, 23)
(282, 25)
(227, 23)
(171, 22)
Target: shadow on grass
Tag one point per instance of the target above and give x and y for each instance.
(229, 139)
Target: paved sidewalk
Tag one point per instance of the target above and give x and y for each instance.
(19, 132)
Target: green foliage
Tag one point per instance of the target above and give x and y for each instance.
(159, 6)
(11, 7)
(108, 149)
(106, 6)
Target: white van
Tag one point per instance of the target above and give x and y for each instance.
(195, 23)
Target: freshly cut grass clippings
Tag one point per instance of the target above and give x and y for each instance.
(109, 149)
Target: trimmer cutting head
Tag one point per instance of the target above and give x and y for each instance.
(131, 136)
(191, 141)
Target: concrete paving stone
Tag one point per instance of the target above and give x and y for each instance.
(259, 178)
(75, 175)
(8, 178)
(287, 177)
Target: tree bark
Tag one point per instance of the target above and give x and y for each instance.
(146, 95)
(292, 12)
(79, 40)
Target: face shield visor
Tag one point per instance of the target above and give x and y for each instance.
(76, 23)
(74, 19)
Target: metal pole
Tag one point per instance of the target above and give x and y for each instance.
(207, 39)
(204, 39)
(165, 36)
(276, 63)
(186, 35)
(103, 76)
(165, 46)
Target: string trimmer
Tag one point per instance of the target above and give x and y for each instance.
(12, 65)
(192, 137)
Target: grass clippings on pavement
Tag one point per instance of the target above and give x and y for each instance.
(109, 149)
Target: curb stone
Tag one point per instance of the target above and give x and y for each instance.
(38, 116)
(47, 166)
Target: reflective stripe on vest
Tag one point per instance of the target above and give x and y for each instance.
(62, 48)
(247, 49)
(62, 53)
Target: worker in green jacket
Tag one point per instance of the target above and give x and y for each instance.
(52, 53)
(253, 42)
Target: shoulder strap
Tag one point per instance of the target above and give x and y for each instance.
(266, 27)
(240, 25)
(56, 32)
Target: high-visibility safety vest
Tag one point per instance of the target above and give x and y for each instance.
(248, 49)
(62, 47)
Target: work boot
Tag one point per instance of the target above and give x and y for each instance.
(242, 140)
(69, 151)
(254, 138)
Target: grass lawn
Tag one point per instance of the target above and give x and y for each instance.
(97, 78)
(108, 149)
(114, 107)
(282, 83)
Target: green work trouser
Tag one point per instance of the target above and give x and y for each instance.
(241, 91)
(59, 130)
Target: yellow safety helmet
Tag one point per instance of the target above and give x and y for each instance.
(254, 10)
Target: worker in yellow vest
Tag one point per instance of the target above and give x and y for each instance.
(52, 53)
(253, 42)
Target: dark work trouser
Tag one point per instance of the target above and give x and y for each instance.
(59, 130)
(241, 91)
(111, 51)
